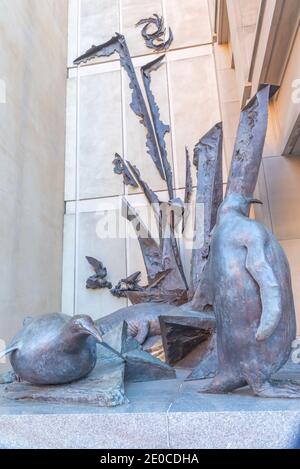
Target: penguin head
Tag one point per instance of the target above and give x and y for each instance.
(82, 324)
(235, 202)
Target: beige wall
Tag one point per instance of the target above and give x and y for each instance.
(32, 127)
(100, 123)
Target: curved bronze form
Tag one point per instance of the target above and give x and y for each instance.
(155, 40)
(120, 167)
(54, 349)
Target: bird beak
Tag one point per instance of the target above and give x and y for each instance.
(255, 201)
(92, 330)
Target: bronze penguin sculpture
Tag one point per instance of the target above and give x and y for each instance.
(250, 290)
(54, 349)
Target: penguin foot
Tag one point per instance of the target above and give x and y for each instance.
(16, 377)
(278, 390)
(223, 384)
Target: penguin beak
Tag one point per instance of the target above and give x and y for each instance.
(255, 201)
(92, 330)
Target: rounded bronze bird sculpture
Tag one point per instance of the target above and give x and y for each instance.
(250, 289)
(54, 349)
(97, 280)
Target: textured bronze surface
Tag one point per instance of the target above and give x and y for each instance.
(249, 144)
(238, 270)
(142, 320)
(54, 349)
(247, 278)
(97, 280)
(120, 167)
(208, 161)
(118, 44)
(165, 272)
(155, 39)
(181, 334)
(251, 294)
(160, 128)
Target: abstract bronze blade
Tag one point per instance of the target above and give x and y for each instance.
(249, 144)
(160, 128)
(150, 250)
(188, 178)
(208, 161)
(188, 188)
(120, 167)
(118, 44)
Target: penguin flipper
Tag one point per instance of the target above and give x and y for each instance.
(270, 291)
(8, 350)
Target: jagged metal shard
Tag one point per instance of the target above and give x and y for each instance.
(249, 143)
(121, 168)
(165, 283)
(155, 40)
(118, 44)
(139, 365)
(160, 128)
(170, 258)
(149, 194)
(208, 161)
(181, 334)
(188, 188)
(150, 249)
(188, 178)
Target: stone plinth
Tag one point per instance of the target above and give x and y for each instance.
(160, 414)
